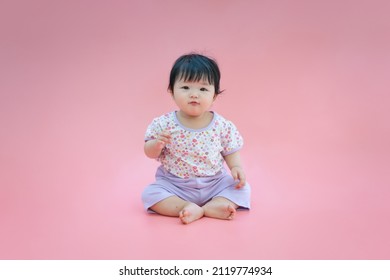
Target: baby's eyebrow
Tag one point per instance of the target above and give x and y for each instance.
(205, 83)
(200, 82)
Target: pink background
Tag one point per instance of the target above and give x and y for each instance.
(306, 82)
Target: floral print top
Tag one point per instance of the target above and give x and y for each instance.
(195, 152)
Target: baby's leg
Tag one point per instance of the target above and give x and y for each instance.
(220, 208)
(174, 206)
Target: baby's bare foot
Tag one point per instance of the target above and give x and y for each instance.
(220, 210)
(191, 212)
(230, 212)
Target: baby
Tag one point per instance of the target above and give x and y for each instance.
(192, 145)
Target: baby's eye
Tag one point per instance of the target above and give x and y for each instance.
(185, 87)
(204, 89)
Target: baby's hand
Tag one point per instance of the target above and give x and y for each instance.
(238, 174)
(163, 139)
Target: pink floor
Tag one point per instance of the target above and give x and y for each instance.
(306, 83)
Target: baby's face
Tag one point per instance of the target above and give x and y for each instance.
(193, 97)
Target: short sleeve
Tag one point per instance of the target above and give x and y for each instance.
(231, 139)
(153, 130)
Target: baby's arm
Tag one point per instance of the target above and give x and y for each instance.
(154, 147)
(234, 163)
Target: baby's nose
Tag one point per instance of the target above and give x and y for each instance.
(194, 94)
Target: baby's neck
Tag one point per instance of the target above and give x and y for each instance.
(197, 122)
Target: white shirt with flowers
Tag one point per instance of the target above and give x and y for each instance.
(195, 152)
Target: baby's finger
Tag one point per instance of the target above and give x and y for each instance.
(163, 140)
(166, 135)
(235, 175)
(239, 185)
(242, 181)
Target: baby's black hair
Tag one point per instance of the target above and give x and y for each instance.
(195, 67)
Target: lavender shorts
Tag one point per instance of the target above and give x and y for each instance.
(198, 190)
